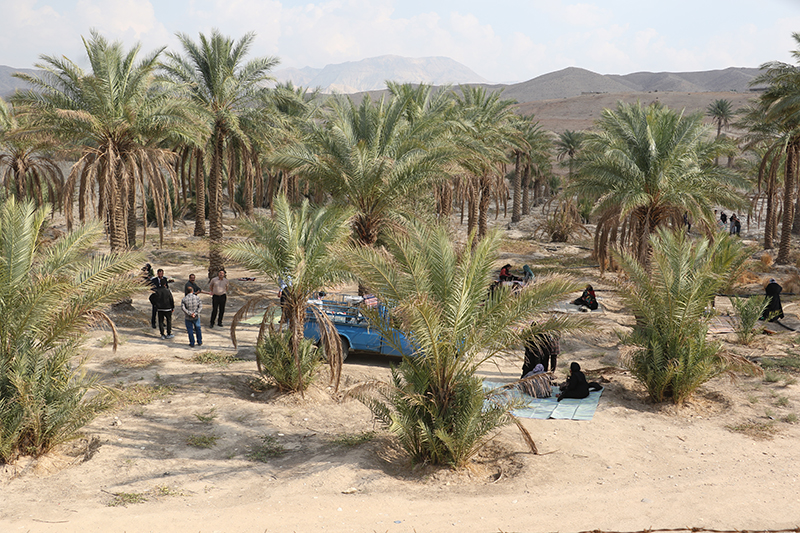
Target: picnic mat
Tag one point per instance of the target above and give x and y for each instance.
(544, 408)
(256, 319)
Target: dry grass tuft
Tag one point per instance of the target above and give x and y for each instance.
(756, 429)
(135, 361)
(766, 260)
(792, 284)
(747, 277)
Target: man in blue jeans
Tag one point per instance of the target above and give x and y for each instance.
(191, 307)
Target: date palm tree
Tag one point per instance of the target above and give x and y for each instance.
(29, 169)
(118, 118)
(50, 296)
(231, 93)
(646, 167)
(487, 133)
(369, 156)
(296, 247)
(434, 402)
(672, 354)
(780, 108)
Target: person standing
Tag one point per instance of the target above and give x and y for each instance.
(191, 307)
(165, 305)
(157, 281)
(191, 283)
(219, 296)
(774, 309)
(541, 349)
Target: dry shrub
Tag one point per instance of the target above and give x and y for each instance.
(766, 260)
(792, 284)
(136, 361)
(747, 277)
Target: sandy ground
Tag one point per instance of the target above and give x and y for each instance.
(728, 459)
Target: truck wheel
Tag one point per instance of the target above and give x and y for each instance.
(345, 348)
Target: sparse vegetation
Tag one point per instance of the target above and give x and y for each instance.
(214, 358)
(351, 440)
(756, 429)
(140, 394)
(207, 417)
(269, 448)
(123, 499)
(202, 441)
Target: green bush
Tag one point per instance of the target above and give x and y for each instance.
(277, 361)
(749, 311)
(50, 295)
(670, 297)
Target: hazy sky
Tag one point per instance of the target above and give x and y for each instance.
(500, 40)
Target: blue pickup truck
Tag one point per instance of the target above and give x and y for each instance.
(355, 329)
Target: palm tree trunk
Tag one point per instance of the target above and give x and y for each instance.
(483, 208)
(516, 207)
(770, 216)
(215, 260)
(131, 214)
(788, 190)
(526, 187)
(199, 195)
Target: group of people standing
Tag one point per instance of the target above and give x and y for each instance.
(163, 303)
(733, 224)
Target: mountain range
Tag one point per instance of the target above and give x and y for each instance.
(369, 75)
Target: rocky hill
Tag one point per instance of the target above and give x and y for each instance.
(371, 74)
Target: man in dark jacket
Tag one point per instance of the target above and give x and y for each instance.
(164, 303)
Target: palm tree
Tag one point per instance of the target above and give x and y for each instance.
(568, 145)
(50, 295)
(647, 167)
(232, 94)
(673, 356)
(435, 403)
(30, 168)
(780, 107)
(118, 118)
(721, 112)
(297, 247)
(369, 156)
(486, 133)
(533, 150)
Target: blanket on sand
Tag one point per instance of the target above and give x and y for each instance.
(544, 408)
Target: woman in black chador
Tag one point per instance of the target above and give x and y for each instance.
(774, 310)
(577, 386)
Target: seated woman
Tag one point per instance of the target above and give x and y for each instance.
(505, 274)
(576, 386)
(587, 299)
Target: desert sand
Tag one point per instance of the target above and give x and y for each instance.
(728, 459)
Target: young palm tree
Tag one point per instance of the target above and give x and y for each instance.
(371, 158)
(30, 168)
(232, 94)
(296, 247)
(647, 167)
(673, 356)
(435, 402)
(50, 295)
(118, 119)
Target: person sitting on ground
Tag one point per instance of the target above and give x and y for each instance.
(505, 274)
(529, 276)
(774, 309)
(587, 299)
(576, 386)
